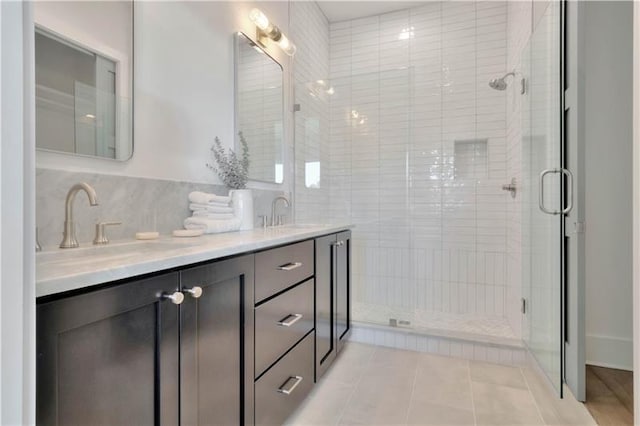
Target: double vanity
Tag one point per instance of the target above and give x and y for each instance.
(230, 328)
(221, 329)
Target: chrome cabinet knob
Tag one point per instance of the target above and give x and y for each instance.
(176, 297)
(195, 292)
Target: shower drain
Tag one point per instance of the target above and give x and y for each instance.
(393, 322)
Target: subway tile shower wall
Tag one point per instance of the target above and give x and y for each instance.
(519, 32)
(405, 87)
(310, 29)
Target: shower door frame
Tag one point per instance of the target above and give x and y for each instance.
(574, 351)
(565, 199)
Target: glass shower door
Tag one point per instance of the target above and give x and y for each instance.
(542, 210)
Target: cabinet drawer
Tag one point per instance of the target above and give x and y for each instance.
(281, 322)
(281, 390)
(282, 267)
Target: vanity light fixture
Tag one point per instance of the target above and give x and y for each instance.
(265, 30)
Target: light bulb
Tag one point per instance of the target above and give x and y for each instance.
(288, 47)
(259, 19)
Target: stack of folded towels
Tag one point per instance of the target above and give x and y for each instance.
(211, 213)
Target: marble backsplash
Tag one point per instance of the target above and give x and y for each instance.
(139, 203)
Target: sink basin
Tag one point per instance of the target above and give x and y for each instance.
(304, 225)
(111, 252)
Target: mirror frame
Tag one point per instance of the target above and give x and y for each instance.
(132, 72)
(236, 140)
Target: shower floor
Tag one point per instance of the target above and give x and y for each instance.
(472, 327)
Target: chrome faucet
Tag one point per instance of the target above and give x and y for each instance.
(69, 235)
(273, 208)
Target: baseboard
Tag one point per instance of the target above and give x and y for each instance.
(513, 355)
(610, 352)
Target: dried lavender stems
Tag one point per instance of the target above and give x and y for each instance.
(233, 171)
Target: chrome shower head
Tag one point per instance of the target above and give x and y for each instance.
(500, 83)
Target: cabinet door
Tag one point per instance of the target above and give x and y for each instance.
(109, 356)
(343, 286)
(217, 343)
(325, 309)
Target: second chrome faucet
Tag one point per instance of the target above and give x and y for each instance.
(274, 220)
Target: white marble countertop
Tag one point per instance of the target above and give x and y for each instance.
(61, 270)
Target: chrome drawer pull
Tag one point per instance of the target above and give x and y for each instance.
(290, 266)
(288, 389)
(286, 322)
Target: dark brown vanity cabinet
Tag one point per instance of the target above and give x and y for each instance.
(229, 342)
(216, 343)
(284, 325)
(109, 356)
(333, 297)
(165, 350)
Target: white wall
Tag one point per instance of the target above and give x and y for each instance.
(184, 89)
(97, 23)
(17, 272)
(636, 209)
(609, 189)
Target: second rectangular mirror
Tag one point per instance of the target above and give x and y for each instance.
(260, 110)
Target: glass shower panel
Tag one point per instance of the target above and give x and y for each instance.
(542, 233)
(370, 135)
(312, 151)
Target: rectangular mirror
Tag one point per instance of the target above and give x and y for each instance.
(84, 77)
(260, 110)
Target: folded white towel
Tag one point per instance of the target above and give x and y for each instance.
(200, 197)
(213, 204)
(211, 209)
(212, 226)
(208, 215)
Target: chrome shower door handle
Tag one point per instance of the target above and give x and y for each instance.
(569, 206)
(541, 192)
(569, 176)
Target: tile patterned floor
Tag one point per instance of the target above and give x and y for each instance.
(372, 385)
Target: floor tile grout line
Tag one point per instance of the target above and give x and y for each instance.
(355, 387)
(473, 403)
(413, 390)
(535, 401)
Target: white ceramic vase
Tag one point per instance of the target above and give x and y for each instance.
(242, 200)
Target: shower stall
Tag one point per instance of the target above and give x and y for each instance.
(411, 125)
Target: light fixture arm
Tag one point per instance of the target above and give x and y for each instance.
(266, 30)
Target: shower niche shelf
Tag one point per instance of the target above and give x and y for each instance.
(470, 158)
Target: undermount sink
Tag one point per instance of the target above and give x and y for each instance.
(304, 225)
(110, 252)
